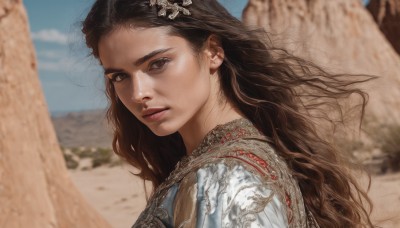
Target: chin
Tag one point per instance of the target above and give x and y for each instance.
(162, 130)
(162, 133)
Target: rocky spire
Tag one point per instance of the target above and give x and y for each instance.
(340, 35)
(387, 14)
(35, 189)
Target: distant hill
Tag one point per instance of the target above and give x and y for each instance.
(86, 128)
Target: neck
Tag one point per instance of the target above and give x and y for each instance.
(197, 128)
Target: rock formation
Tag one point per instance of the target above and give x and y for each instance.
(340, 35)
(387, 14)
(35, 188)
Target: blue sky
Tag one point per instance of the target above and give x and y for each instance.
(71, 80)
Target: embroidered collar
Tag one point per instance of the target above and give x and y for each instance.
(233, 130)
(221, 134)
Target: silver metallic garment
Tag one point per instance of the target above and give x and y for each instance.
(233, 179)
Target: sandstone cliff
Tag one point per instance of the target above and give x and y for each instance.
(35, 189)
(387, 14)
(340, 35)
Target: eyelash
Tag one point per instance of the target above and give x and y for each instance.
(164, 61)
(114, 77)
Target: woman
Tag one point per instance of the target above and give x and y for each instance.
(218, 121)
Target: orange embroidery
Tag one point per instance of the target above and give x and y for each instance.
(289, 205)
(259, 161)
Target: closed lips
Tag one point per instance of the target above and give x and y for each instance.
(150, 112)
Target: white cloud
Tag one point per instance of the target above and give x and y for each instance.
(51, 66)
(67, 64)
(60, 65)
(50, 35)
(51, 54)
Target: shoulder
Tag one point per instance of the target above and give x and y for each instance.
(233, 179)
(254, 154)
(237, 166)
(246, 176)
(247, 162)
(229, 192)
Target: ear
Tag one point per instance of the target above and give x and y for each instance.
(214, 53)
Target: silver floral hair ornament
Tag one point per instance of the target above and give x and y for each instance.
(175, 9)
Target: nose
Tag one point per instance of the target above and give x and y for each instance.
(141, 88)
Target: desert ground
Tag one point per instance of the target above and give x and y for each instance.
(119, 196)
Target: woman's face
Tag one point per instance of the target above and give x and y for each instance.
(157, 76)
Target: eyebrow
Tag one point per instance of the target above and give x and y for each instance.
(150, 55)
(139, 61)
(111, 70)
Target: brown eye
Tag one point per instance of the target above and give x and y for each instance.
(158, 64)
(118, 77)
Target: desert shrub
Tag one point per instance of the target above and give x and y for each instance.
(82, 152)
(70, 162)
(116, 162)
(75, 151)
(98, 156)
(101, 156)
(85, 153)
(389, 141)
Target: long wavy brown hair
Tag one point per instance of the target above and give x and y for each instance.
(281, 94)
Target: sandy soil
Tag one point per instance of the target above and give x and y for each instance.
(119, 196)
(385, 194)
(114, 192)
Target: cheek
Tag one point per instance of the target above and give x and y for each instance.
(124, 97)
(189, 84)
(124, 94)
